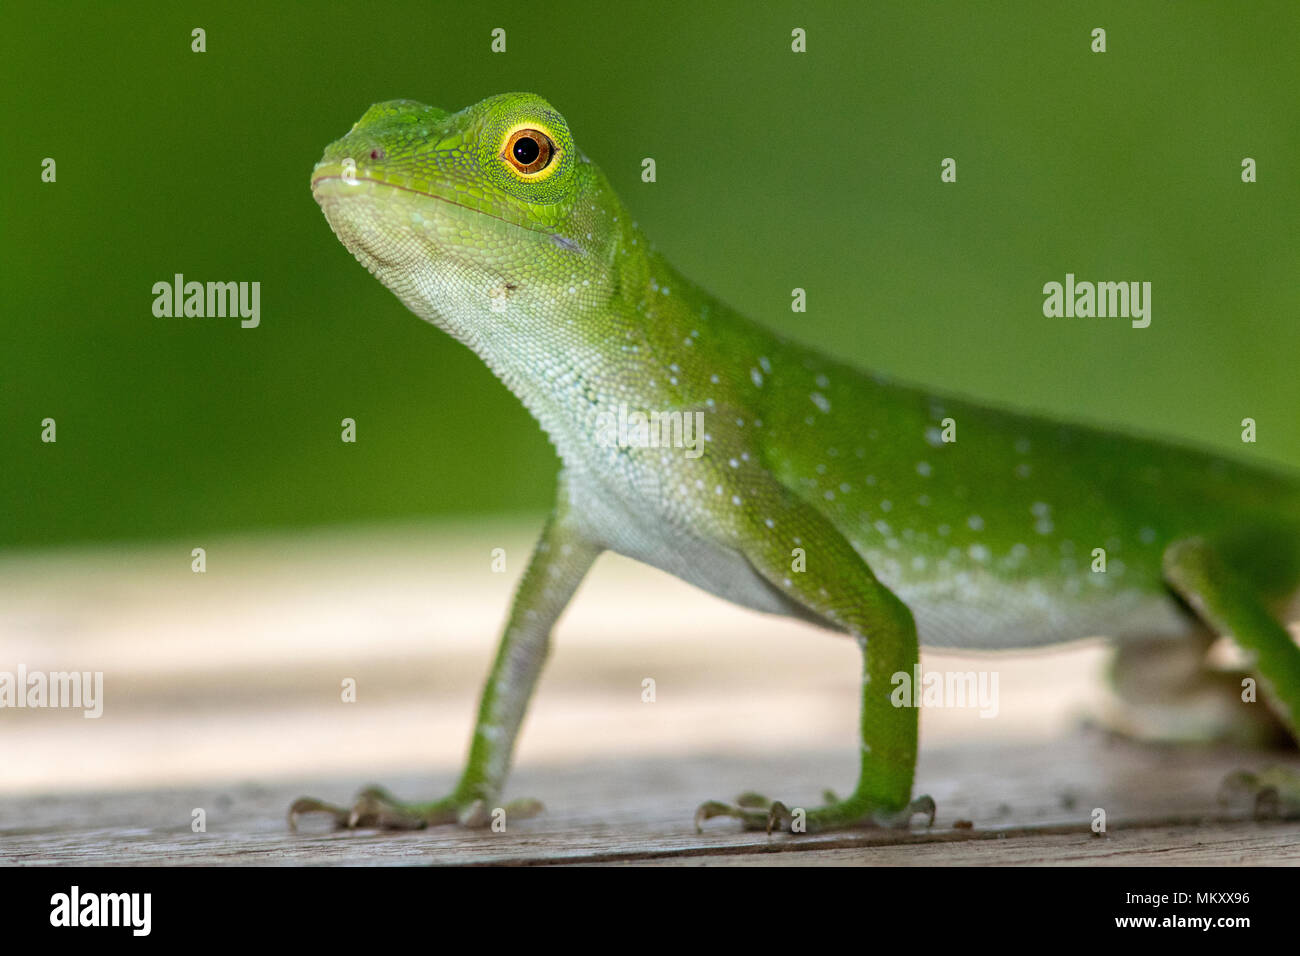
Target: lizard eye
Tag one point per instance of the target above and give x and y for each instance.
(528, 150)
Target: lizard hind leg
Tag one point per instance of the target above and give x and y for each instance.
(1226, 600)
(1167, 691)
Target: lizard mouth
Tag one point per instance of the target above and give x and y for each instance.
(330, 183)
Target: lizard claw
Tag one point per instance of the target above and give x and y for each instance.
(373, 807)
(376, 808)
(778, 814)
(312, 805)
(710, 809)
(924, 804)
(758, 813)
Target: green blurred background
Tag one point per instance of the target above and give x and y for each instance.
(775, 170)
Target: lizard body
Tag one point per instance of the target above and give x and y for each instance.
(826, 493)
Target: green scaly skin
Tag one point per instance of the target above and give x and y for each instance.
(985, 541)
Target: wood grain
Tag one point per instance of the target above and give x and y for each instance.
(223, 693)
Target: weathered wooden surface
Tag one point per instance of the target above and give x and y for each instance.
(235, 675)
(1028, 805)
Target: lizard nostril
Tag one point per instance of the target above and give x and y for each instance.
(377, 154)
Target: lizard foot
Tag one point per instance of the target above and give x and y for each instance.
(756, 812)
(1275, 792)
(376, 808)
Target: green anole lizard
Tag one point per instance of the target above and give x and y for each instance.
(816, 491)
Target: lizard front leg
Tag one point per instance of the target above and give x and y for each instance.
(559, 562)
(838, 588)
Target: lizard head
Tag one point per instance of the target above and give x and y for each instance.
(480, 221)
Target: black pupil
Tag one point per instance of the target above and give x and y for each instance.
(527, 150)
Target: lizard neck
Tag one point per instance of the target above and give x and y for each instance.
(570, 355)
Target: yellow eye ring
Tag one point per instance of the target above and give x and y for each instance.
(528, 151)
